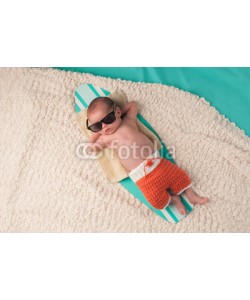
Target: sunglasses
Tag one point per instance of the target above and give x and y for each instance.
(108, 119)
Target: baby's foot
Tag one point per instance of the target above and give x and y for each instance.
(176, 200)
(195, 198)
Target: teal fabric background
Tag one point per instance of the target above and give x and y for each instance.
(227, 89)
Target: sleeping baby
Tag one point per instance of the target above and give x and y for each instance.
(115, 127)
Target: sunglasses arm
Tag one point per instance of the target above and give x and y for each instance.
(87, 124)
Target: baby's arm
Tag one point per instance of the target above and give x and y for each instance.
(130, 109)
(94, 136)
(96, 143)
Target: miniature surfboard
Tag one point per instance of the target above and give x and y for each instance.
(84, 94)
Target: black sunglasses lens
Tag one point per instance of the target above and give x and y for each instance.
(110, 118)
(96, 127)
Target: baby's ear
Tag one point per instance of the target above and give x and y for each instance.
(118, 111)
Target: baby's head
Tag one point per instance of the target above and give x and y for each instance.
(104, 116)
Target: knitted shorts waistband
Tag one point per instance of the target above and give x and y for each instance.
(139, 171)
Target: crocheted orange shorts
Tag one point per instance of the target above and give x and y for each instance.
(155, 175)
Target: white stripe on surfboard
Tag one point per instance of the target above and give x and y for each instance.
(86, 93)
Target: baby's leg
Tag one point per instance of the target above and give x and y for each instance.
(195, 198)
(176, 200)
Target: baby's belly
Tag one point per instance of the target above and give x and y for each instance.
(130, 159)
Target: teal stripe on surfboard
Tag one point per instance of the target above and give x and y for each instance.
(80, 99)
(77, 108)
(170, 211)
(84, 94)
(94, 90)
(105, 92)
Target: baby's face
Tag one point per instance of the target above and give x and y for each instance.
(99, 113)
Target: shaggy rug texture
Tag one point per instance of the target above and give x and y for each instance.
(46, 187)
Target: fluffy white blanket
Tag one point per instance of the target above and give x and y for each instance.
(45, 187)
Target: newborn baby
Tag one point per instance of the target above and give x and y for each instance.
(115, 127)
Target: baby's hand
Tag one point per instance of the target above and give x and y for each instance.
(92, 148)
(89, 149)
(94, 137)
(130, 109)
(96, 146)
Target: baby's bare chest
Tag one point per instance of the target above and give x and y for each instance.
(124, 135)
